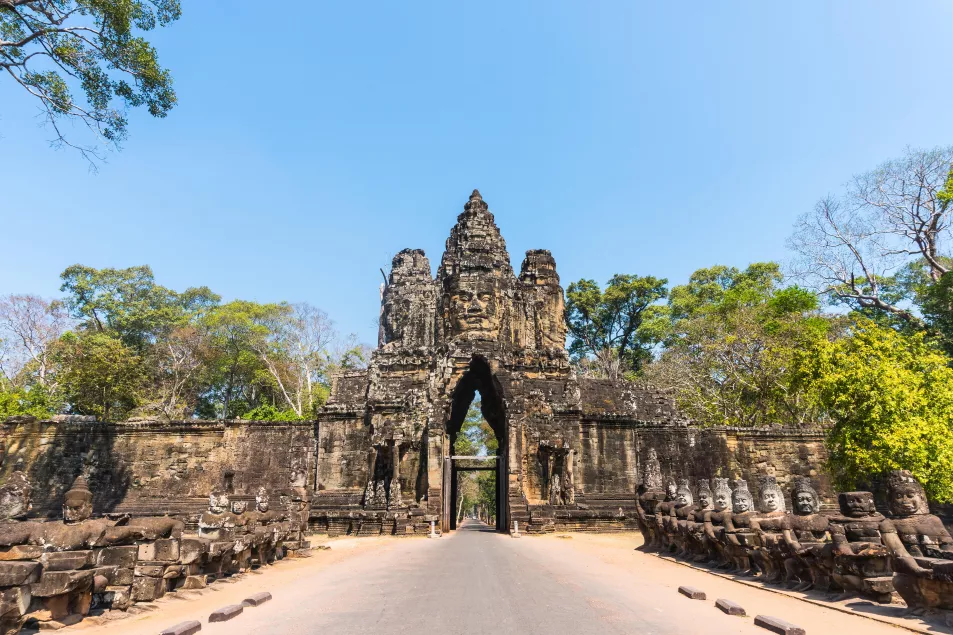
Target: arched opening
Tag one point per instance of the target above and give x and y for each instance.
(475, 466)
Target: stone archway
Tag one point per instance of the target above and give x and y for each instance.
(477, 378)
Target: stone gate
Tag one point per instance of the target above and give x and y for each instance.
(570, 447)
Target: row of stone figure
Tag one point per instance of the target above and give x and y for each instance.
(57, 571)
(856, 551)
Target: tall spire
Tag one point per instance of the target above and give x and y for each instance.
(475, 243)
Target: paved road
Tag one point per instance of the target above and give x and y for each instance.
(477, 581)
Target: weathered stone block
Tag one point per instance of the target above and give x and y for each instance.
(147, 589)
(150, 570)
(118, 597)
(184, 628)
(163, 549)
(56, 582)
(195, 582)
(21, 552)
(66, 560)
(257, 600)
(15, 600)
(226, 613)
(692, 593)
(16, 573)
(117, 556)
(777, 625)
(729, 607)
(192, 550)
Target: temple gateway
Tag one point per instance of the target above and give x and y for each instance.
(570, 447)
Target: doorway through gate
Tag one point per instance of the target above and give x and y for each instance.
(475, 476)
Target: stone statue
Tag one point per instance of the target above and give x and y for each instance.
(714, 521)
(861, 562)
(15, 497)
(664, 515)
(767, 551)
(921, 547)
(806, 533)
(738, 534)
(77, 530)
(650, 493)
(682, 514)
(216, 522)
(697, 541)
(78, 502)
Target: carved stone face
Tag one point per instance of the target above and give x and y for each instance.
(78, 503)
(704, 499)
(474, 309)
(239, 507)
(722, 500)
(770, 501)
(906, 500)
(856, 504)
(261, 501)
(805, 504)
(684, 497)
(218, 503)
(671, 490)
(741, 503)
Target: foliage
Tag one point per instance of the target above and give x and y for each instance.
(606, 326)
(34, 401)
(267, 412)
(890, 398)
(730, 338)
(102, 376)
(56, 48)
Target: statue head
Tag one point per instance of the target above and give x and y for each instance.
(704, 495)
(905, 495)
(473, 307)
(856, 504)
(239, 507)
(770, 497)
(261, 500)
(722, 494)
(671, 489)
(684, 493)
(15, 496)
(218, 502)
(804, 497)
(741, 499)
(78, 502)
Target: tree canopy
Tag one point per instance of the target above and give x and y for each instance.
(87, 61)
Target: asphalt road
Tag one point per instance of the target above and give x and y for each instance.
(477, 581)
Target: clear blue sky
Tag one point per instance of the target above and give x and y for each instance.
(313, 141)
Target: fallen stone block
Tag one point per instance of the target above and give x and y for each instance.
(184, 628)
(15, 600)
(257, 600)
(15, 572)
(692, 593)
(729, 607)
(777, 625)
(147, 589)
(226, 613)
(194, 582)
(192, 550)
(118, 597)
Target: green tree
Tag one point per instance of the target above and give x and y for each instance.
(890, 398)
(606, 327)
(730, 339)
(476, 438)
(56, 49)
(102, 376)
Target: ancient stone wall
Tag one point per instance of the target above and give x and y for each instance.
(154, 467)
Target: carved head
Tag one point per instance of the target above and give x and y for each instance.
(704, 495)
(78, 502)
(722, 494)
(905, 495)
(684, 493)
(804, 497)
(239, 507)
(261, 500)
(856, 504)
(15, 496)
(474, 308)
(218, 502)
(671, 489)
(741, 499)
(770, 497)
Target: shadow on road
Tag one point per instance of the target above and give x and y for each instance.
(475, 525)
